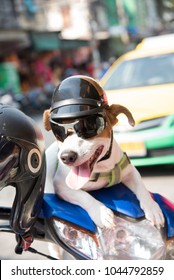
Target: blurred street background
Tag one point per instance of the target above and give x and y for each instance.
(45, 41)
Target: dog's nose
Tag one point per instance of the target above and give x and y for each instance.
(68, 157)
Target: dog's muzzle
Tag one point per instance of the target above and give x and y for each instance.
(85, 127)
(68, 157)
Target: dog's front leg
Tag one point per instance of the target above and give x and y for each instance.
(99, 213)
(132, 179)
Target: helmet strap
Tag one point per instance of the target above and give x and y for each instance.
(108, 153)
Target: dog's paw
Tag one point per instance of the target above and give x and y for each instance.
(153, 213)
(102, 216)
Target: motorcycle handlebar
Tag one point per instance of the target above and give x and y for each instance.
(5, 212)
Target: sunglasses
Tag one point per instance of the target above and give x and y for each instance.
(85, 127)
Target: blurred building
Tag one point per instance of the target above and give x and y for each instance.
(48, 24)
(79, 30)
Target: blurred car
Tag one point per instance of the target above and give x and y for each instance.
(143, 81)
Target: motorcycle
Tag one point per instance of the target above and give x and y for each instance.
(8, 97)
(36, 100)
(70, 228)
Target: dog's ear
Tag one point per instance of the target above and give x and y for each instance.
(116, 109)
(46, 120)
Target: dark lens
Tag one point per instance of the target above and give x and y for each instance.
(100, 124)
(9, 157)
(58, 131)
(6, 149)
(90, 126)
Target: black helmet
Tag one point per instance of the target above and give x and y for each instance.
(77, 96)
(22, 165)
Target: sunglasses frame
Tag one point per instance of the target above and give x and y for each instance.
(69, 126)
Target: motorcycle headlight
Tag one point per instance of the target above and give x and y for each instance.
(128, 240)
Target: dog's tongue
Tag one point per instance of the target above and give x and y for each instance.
(78, 176)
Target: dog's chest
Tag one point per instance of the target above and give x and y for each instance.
(90, 186)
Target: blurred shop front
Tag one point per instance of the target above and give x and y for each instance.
(40, 39)
(47, 40)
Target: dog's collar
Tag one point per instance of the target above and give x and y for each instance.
(108, 153)
(114, 175)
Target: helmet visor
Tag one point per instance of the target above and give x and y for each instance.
(9, 157)
(74, 108)
(85, 127)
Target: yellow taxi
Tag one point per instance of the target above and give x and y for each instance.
(143, 81)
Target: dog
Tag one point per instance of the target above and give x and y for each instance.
(79, 165)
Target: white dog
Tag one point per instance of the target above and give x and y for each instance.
(79, 165)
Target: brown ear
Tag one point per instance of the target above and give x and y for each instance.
(116, 109)
(46, 120)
